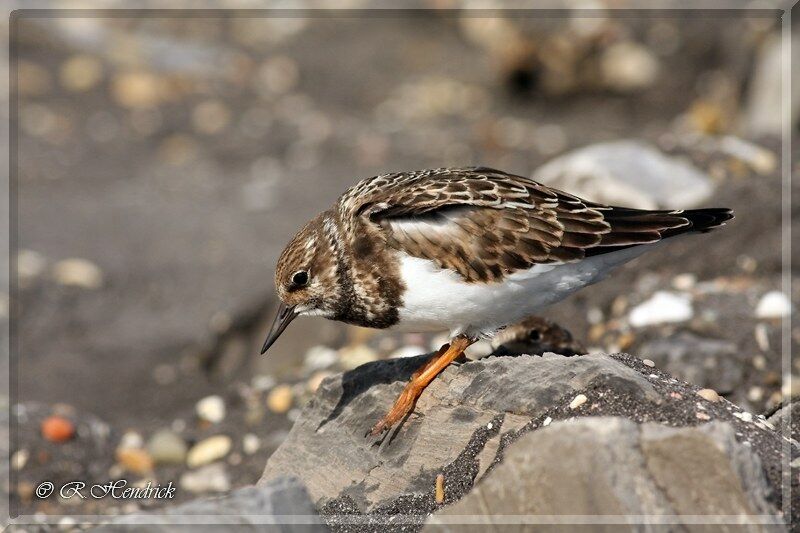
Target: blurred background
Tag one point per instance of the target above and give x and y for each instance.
(163, 161)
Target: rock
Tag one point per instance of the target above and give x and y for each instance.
(78, 272)
(662, 307)
(628, 173)
(282, 505)
(708, 394)
(706, 362)
(628, 66)
(209, 478)
(250, 444)
(135, 460)
(167, 447)
(320, 357)
(534, 336)
(57, 429)
(208, 450)
(774, 304)
(470, 414)
(579, 400)
(279, 399)
(211, 409)
(781, 419)
(657, 470)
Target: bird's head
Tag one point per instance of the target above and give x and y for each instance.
(306, 278)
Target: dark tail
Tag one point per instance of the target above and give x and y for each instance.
(632, 227)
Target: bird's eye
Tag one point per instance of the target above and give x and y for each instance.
(300, 278)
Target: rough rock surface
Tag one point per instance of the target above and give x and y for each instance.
(467, 418)
(614, 467)
(281, 505)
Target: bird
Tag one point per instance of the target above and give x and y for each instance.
(468, 250)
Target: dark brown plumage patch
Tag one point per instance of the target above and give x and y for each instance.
(486, 224)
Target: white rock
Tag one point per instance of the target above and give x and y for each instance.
(547, 421)
(211, 409)
(407, 351)
(628, 66)
(250, 443)
(628, 173)
(661, 308)
(78, 272)
(774, 304)
(210, 478)
(579, 400)
(208, 450)
(19, 459)
(30, 264)
(320, 357)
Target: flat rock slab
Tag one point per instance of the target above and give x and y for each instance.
(613, 467)
(466, 420)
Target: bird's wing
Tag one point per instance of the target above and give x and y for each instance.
(485, 224)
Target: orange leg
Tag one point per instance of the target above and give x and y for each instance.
(419, 380)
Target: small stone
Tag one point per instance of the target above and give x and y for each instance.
(579, 400)
(30, 265)
(208, 450)
(167, 447)
(316, 379)
(406, 351)
(262, 382)
(135, 460)
(279, 399)
(351, 357)
(78, 272)
(755, 394)
(320, 357)
(250, 444)
(57, 429)
(684, 282)
(210, 478)
(744, 416)
(762, 337)
(440, 489)
(708, 394)
(676, 395)
(648, 362)
(628, 66)
(702, 416)
(211, 409)
(662, 307)
(774, 304)
(19, 459)
(80, 73)
(547, 421)
(131, 439)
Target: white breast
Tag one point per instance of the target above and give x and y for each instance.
(437, 299)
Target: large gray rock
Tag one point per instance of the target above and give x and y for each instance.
(614, 467)
(279, 506)
(629, 173)
(467, 418)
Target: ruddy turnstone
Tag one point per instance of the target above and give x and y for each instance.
(467, 250)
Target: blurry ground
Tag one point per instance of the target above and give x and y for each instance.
(174, 157)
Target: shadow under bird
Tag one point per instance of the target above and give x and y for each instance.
(466, 250)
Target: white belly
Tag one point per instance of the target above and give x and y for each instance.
(437, 299)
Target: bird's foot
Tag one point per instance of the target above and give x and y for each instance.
(419, 380)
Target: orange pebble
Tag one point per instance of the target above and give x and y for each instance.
(57, 429)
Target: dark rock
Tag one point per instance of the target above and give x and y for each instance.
(279, 506)
(535, 336)
(711, 363)
(468, 419)
(566, 469)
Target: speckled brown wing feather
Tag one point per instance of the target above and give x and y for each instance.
(485, 223)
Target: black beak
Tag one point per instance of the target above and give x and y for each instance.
(285, 315)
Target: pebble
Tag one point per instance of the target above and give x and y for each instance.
(320, 357)
(628, 66)
(250, 444)
(279, 399)
(648, 362)
(702, 416)
(262, 382)
(774, 304)
(579, 400)
(351, 357)
(210, 478)
(316, 380)
(547, 421)
(755, 394)
(208, 450)
(167, 447)
(662, 307)
(708, 394)
(440, 489)
(762, 337)
(135, 460)
(57, 429)
(406, 351)
(131, 439)
(684, 282)
(76, 272)
(744, 416)
(19, 459)
(30, 264)
(211, 409)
